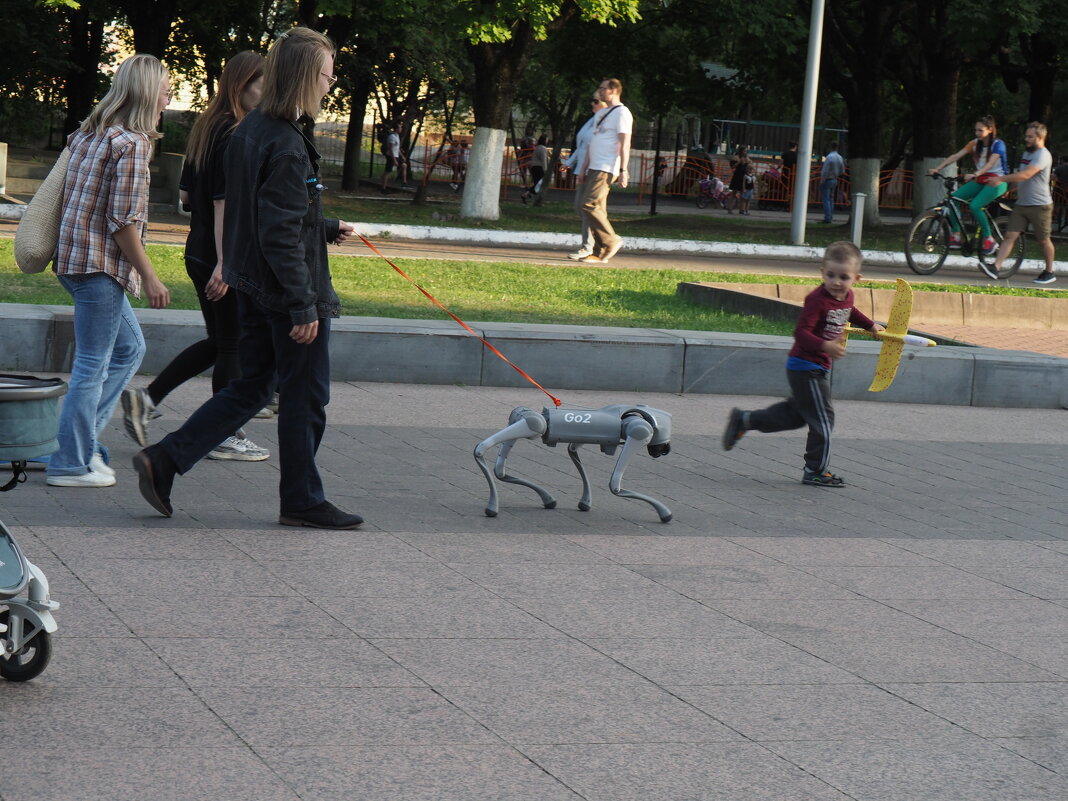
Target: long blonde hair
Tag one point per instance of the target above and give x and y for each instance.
(225, 108)
(132, 101)
(291, 77)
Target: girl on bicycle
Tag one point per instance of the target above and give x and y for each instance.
(989, 154)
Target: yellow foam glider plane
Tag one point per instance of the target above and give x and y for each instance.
(894, 338)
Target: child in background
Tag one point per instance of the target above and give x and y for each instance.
(818, 340)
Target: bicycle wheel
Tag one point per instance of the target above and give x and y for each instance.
(1013, 260)
(927, 243)
(702, 201)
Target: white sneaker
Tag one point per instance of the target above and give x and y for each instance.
(89, 479)
(137, 410)
(239, 449)
(580, 254)
(98, 465)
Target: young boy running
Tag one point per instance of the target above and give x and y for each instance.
(818, 340)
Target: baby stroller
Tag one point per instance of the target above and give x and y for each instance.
(774, 193)
(29, 420)
(714, 191)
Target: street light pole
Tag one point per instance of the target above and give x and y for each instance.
(808, 124)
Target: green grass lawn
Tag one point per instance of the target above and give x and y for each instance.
(489, 291)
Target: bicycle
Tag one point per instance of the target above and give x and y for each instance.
(927, 242)
(713, 190)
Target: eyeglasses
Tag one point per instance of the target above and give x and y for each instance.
(330, 79)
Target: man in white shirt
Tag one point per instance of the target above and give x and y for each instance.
(1034, 203)
(391, 149)
(606, 160)
(573, 163)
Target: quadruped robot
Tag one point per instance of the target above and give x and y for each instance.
(631, 426)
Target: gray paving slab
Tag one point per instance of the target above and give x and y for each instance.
(878, 657)
(560, 654)
(991, 709)
(733, 660)
(104, 772)
(435, 617)
(416, 773)
(332, 716)
(925, 769)
(479, 662)
(696, 772)
(766, 713)
(271, 662)
(567, 712)
(120, 717)
(633, 618)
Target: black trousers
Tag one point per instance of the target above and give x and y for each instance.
(809, 404)
(217, 352)
(303, 376)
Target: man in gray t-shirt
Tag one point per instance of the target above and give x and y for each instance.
(1034, 203)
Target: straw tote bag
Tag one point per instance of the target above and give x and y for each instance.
(38, 231)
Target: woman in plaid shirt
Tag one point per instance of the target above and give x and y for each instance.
(101, 256)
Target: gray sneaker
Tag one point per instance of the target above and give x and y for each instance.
(239, 449)
(137, 410)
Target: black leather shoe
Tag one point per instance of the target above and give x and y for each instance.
(325, 515)
(155, 473)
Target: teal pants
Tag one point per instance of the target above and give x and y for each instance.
(978, 196)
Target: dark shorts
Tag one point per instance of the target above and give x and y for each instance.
(390, 163)
(1040, 217)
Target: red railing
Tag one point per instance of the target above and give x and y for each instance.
(680, 177)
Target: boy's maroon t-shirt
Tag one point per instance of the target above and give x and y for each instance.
(823, 318)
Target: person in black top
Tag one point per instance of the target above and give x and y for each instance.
(203, 191)
(789, 160)
(275, 245)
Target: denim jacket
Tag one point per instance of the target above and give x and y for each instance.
(274, 234)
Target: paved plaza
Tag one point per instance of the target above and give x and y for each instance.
(903, 638)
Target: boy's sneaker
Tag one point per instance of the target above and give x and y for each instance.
(239, 449)
(990, 247)
(954, 240)
(137, 409)
(826, 479)
(735, 429)
(989, 270)
(580, 254)
(1045, 277)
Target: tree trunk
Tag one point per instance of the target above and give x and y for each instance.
(350, 172)
(497, 67)
(151, 21)
(482, 188)
(864, 177)
(82, 78)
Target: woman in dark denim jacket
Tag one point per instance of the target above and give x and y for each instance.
(274, 248)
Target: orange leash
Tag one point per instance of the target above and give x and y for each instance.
(465, 326)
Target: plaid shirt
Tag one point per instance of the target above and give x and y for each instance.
(106, 190)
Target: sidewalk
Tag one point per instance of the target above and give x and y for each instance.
(903, 639)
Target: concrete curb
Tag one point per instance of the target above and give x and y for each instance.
(41, 339)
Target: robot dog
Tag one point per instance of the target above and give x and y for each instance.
(608, 427)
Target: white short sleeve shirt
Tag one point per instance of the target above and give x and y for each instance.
(604, 143)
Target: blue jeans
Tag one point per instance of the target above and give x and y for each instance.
(303, 376)
(827, 192)
(108, 348)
